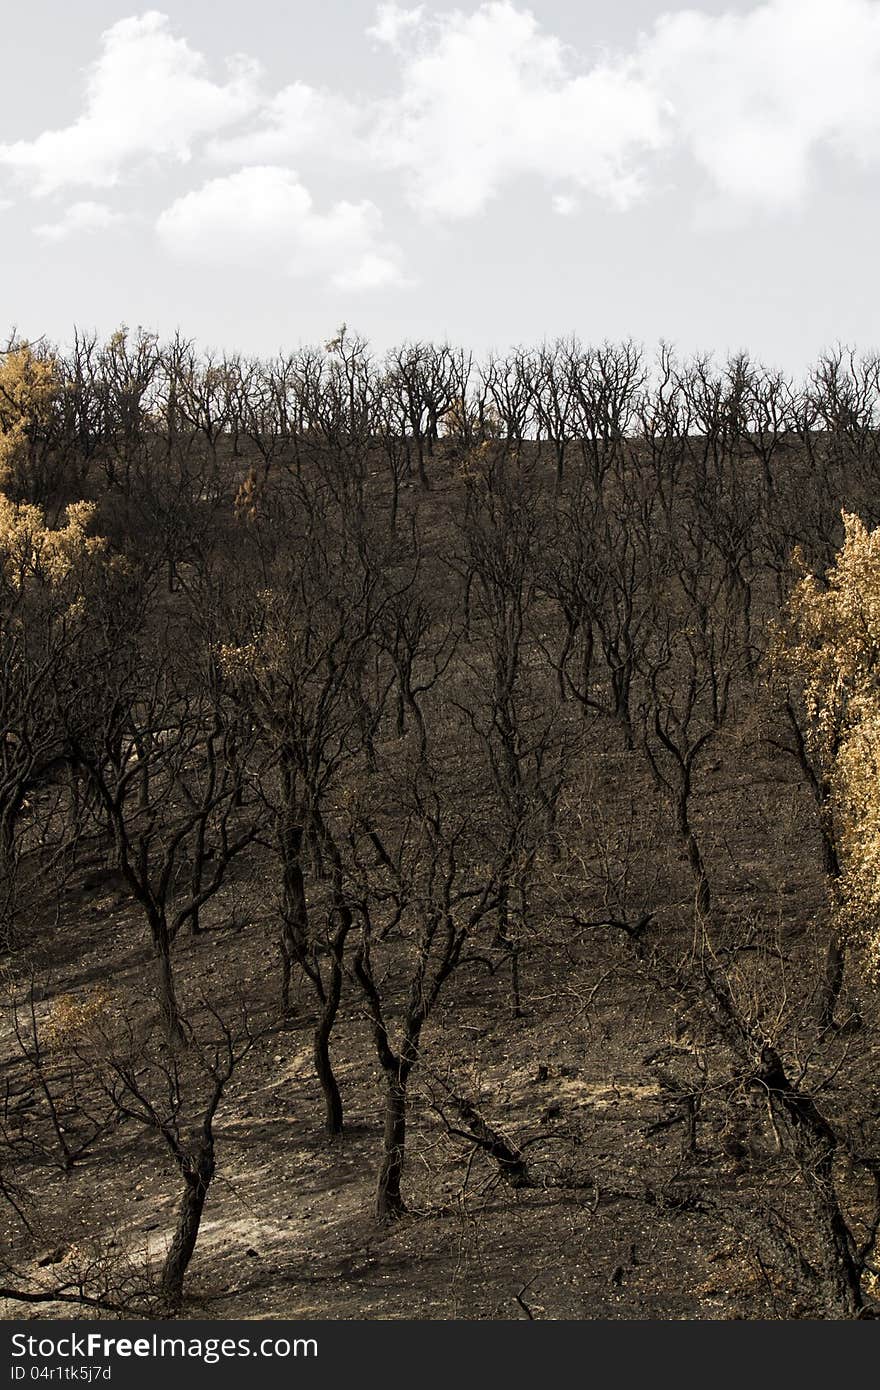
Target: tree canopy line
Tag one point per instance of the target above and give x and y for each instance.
(449, 656)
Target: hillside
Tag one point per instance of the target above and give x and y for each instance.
(436, 836)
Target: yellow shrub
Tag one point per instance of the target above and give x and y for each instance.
(832, 643)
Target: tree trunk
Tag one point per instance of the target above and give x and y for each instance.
(813, 1143)
(625, 721)
(168, 1005)
(841, 1279)
(197, 1180)
(389, 1202)
(198, 866)
(512, 1166)
(294, 916)
(516, 994)
(704, 896)
(420, 465)
(324, 1068)
(695, 858)
(8, 933)
(835, 954)
(832, 982)
(395, 500)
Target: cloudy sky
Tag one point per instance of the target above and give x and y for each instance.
(497, 173)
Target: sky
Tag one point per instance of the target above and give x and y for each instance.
(488, 174)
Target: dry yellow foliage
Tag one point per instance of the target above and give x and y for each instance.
(832, 642)
(29, 388)
(272, 647)
(29, 549)
(72, 1020)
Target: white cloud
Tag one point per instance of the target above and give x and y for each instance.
(756, 96)
(263, 216)
(484, 99)
(564, 205)
(147, 99)
(79, 217)
(488, 98)
(393, 22)
(297, 119)
(370, 272)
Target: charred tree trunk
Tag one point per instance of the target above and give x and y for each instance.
(11, 808)
(832, 979)
(198, 866)
(168, 1005)
(835, 954)
(820, 785)
(323, 1029)
(197, 1175)
(325, 1073)
(331, 993)
(389, 1201)
(512, 1166)
(294, 909)
(803, 1132)
(813, 1144)
(694, 857)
